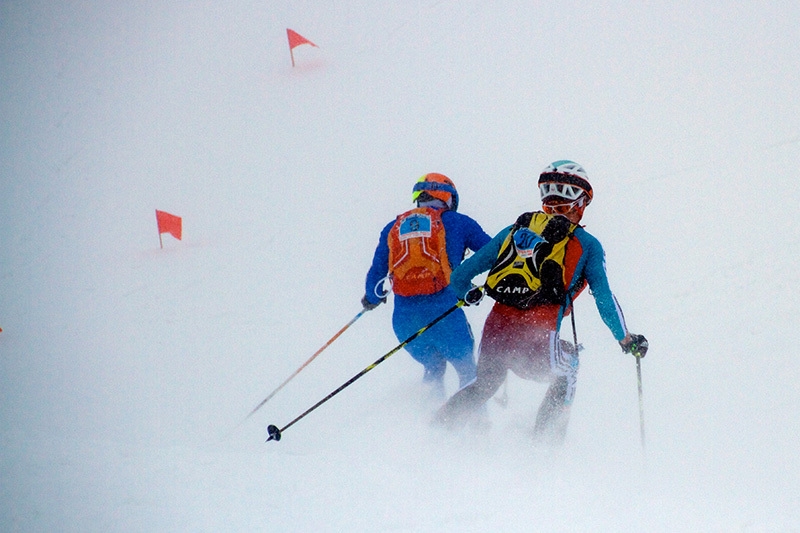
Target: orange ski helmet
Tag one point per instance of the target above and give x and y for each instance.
(438, 186)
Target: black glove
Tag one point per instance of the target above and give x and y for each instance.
(370, 306)
(637, 346)
(474, 296)
(556, 229)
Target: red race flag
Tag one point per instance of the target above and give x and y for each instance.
(168, 223)
(295, 39)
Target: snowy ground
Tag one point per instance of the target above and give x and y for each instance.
(127, 370)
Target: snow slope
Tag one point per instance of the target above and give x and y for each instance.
(127, 370)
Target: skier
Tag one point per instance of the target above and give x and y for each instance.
(417, 252)
(522, 333)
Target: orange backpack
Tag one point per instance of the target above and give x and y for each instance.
(418, 261)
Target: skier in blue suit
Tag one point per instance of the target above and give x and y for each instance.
(417, 251)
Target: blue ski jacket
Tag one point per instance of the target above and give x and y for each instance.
(461, 233)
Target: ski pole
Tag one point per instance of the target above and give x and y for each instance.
(273, 393)
(641, 403)
(275, 433)
(572, 319)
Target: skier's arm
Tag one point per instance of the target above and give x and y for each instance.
(607, 306)
(463, 234)
(476, 237)
(379, 268)
(476, 264)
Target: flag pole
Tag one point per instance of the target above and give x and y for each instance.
(291, 53)
(158, 229)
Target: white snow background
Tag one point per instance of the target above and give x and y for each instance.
(127, 369)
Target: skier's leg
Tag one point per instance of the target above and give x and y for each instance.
(435, 366)
(553, 416)
(457, 410)
(422, 349)
(466, 369)
(457, 345)
(433, 363)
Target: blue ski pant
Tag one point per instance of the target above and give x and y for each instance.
(450, 340)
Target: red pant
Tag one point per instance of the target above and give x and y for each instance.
(527, 343)
(520, 341)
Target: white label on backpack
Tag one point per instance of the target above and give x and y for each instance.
(415, 225)
(525, 242)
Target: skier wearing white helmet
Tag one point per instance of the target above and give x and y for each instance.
(537, 267)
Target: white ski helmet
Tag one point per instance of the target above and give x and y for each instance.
(565, 179)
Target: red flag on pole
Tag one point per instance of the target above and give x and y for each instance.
(295, 39)
(168, 223)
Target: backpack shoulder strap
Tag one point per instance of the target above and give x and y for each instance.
(523, 221)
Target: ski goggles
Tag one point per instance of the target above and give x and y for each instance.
(563, 208)
(436, 187)
(563, 190)
(432, 186)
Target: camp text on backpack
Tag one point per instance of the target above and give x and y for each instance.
(529, 269)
